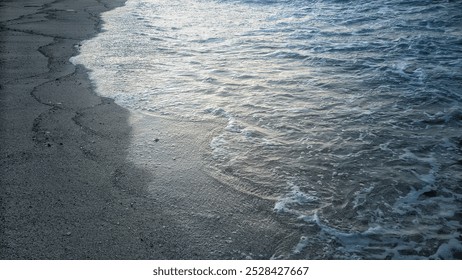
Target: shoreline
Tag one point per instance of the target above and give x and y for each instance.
(83, 178)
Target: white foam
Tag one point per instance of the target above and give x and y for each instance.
(294, 197)
(219, 148)
(430, 177)
(448, 249)
(301, 245)
(385, 147)
(361, 196)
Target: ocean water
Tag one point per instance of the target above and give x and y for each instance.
(346, 114)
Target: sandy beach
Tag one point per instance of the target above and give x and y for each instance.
(83, 178)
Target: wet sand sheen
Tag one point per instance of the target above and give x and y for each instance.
(83, 178)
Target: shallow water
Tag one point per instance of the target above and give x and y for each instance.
(346, 113)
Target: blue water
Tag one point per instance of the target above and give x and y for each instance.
(346, 114)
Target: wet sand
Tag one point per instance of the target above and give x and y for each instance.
(83, 178)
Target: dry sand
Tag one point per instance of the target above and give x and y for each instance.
(83, 178)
